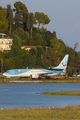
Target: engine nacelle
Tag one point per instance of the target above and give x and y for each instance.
(34, 76)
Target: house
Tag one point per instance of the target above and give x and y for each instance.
(5, 42)
(27, 47)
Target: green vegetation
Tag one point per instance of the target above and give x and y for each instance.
(66, 113)
(18, 80)
(47, 50)
(57, 79)
(41, 18)
(3, 21)
(62, 80)
(71, 92)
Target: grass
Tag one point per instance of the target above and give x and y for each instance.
(71, 92)
(56, 79)
(4, 80)
(66, 113)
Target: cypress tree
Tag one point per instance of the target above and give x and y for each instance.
(9, 16)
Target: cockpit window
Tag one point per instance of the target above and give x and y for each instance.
(7, 71)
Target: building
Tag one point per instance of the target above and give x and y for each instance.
(27, 47)
(5, 42)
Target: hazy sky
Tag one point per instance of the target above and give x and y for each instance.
(64, 16)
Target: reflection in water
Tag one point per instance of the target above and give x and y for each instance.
(24, 95)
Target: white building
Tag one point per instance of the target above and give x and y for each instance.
(5, 42)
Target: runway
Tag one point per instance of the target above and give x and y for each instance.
(26, 81)
(73, 80)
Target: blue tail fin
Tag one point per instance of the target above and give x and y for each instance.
(63, 63)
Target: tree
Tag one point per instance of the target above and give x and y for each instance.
(9, 63)
(51, 56)
(41, 18)
(39, 39)
(45, 63)
(54, 34)
(3, 21)
(2, 56)
(55, 44)
(28, 60)
(28, 24)
(14, 57)
(48, 37)
(71, 52)
(33, 51)
(75, 46)
(20, 37)
(61, 48)
(20, 12)
(43, 30)
(9, 16)
(32, 21)
(39, 51)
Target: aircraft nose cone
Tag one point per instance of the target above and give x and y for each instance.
(3, 74)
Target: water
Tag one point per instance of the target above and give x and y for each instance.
(24, 95)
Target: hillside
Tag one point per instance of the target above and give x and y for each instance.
(48, 51)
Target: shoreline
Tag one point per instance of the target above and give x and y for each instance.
(47, 113)
(40, 107)
(68, 92)
(40, 81)
(55, 79)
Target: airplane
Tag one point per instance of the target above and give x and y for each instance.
(36, 73)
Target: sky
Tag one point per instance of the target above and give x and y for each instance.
(64, 16)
